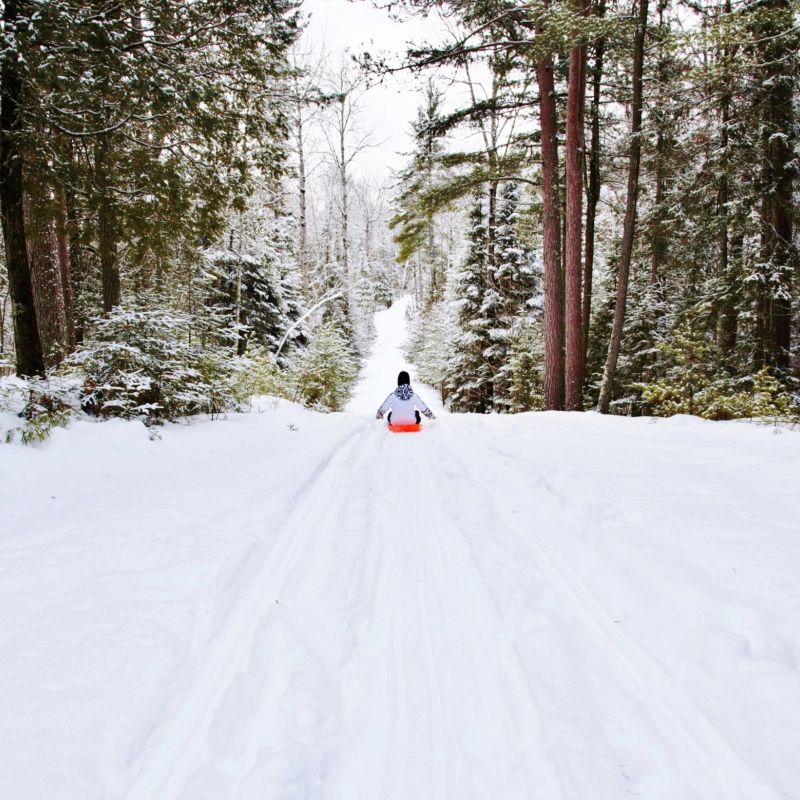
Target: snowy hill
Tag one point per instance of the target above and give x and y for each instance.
(291, 605)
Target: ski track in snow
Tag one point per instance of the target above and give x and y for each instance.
(421, 616)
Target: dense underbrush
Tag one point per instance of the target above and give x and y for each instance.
(159, 365)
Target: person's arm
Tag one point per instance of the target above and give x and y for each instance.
(422, 407)
(385, 406)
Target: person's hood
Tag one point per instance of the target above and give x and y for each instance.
(404, 392)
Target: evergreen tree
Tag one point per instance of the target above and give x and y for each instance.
(256, 296)
(431, 343)
(510, 299)
(469, 373)
(524, 370)
(136, 131)
(327, 370)
(280, 254)
(414, 221)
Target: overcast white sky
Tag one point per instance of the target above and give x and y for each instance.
(389, 108)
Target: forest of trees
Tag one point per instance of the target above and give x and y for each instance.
(598, 211)
(182, 225)
(631, 239)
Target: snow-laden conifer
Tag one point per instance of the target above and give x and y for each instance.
(154, 364)
(469, 372)
(327, 370)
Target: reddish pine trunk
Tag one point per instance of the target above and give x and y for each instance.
(574, 227)
(551, 244)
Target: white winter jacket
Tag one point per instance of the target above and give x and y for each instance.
(402, 402)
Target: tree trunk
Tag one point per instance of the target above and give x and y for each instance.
(659, 243)
(107, 228)
(62, 239)
(725, 305)
(761, 304)
(574, 226)
(46, 276)
(435, 294)
(343, 190)
(629, 225)
(76, 257)
(491, 232)
(728, 320)
(659, 239)
(779, 145)
(593, 190)
(4, 303)
(26, 333)
(237, 315)
(551, 241)
(303, 202)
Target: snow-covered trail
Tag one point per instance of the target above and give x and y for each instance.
(553, 606)
(395, 634)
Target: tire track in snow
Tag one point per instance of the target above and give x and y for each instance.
(673, 713)
(171, 758)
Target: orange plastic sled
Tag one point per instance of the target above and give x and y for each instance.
(413, 428)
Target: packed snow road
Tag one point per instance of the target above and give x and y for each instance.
(285, 605)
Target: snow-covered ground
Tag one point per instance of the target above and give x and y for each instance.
(289, 605)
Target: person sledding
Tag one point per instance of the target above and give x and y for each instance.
(403, 406)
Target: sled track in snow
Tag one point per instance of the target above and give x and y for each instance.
(173, 755)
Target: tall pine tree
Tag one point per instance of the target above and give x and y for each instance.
(470, 372)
